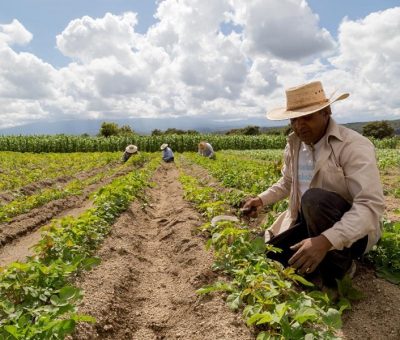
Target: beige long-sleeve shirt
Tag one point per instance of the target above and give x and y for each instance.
(346, 165)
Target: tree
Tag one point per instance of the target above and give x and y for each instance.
(248, 130)
(380, 130)
(251, 130)
(156, 132)
(174, 131)
(125, 130)
(108, 129)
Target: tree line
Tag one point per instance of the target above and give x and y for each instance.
(377, 129)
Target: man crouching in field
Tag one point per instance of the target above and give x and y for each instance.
(332, 181)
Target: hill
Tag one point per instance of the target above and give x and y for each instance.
(144, 126)
(357, 126)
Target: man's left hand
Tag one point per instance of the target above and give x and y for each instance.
(309, 253)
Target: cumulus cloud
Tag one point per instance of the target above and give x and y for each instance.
(369, 63)
(24, 76)
(287, 29)
(14, 33)
(189, 64)
(86, 38)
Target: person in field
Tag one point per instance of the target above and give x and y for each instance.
(167, 154)
(335, 195)
(129, 151)
(205, 149)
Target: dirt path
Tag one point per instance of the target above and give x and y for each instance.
(152, 263)
(377, 315)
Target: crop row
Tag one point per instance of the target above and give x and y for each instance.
(180, 143)
(236, 169)
(271, 297)
(25, 203)
(20, 169)
(37, 299)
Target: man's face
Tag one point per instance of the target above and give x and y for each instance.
(310, 128)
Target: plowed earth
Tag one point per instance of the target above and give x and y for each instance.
(154, 260)
(22, 232)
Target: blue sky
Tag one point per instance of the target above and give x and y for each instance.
(68, 60)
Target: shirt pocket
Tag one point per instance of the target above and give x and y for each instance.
(334, 180)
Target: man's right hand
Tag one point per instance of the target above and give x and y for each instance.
(250, 207)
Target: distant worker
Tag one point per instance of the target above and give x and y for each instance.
(129, 151)
(167, 155)
(206, 150)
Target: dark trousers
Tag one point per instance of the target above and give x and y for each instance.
(320, 210)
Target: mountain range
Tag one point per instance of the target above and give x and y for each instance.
(145, 126)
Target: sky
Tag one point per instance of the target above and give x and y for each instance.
(220, 60)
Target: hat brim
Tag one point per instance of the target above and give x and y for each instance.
(131, 149)
(163, 146)
(283, 114)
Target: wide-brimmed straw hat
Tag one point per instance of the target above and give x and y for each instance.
(202, 145)
(162, 147)
(303, 100)
(131, 148)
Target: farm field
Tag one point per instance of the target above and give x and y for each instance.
(125, 244)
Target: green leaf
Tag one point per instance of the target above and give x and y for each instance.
(347, 290)
(306, 314)
(302, 280)
(12, 330)
(56, 301)
(266, 318)
(84, 318)
(263, 336)
(260, 318)
(343, 304)
(216, 287)
(68, 292)
(280, 311)
(67, 326)
(332, 318)
(234, 300)
(387, 274)
(91, 262)
(258, 245)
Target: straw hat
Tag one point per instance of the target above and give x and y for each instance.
(163, 146)
(202, 145)
(131, 148)
(303, 100)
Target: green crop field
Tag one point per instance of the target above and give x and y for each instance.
(76, 198)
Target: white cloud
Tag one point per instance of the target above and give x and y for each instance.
(369, 63)
(14, 33)
(185, 65)
(286, 29)
(19, 112)
(87, 38)
(24, 76)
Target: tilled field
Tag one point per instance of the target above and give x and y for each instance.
(154, 261)
(22, 232)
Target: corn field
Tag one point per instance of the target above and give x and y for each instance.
(180, 143)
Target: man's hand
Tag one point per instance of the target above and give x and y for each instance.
(250, 207)
(309, 253)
